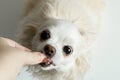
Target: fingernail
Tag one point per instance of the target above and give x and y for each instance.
(41, 57)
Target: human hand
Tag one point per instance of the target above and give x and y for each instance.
(13, 57)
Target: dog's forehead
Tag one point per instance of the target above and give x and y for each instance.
(65, 31)
(61, 26)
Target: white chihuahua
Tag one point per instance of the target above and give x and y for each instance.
(63, 30)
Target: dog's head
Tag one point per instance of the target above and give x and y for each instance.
(59, 40)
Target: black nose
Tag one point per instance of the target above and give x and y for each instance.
(49, 51)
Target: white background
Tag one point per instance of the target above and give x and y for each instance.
(106, 64)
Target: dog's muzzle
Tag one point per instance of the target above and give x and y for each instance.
(49, 51)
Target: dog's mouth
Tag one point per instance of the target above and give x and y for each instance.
(46, 62)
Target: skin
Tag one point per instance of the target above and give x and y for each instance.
(13, 57)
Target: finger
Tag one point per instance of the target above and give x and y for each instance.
(21, 47)
(14, 44)
(34, 58)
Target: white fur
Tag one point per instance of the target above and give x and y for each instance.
(71, 22)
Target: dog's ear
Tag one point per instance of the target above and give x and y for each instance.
(89, 28)
(88, 39)
(29, 6)
(25, 35)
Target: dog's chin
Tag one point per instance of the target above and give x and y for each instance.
(50, 67)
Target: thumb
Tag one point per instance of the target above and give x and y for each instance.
(32, 58)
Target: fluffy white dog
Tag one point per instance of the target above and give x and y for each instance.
(64, 30)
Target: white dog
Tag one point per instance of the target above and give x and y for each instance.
(64, 30)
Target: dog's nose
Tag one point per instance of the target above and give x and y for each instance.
(49, 51)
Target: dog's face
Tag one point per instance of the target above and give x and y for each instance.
(58, 40)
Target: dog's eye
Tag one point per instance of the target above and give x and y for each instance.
(45, 35)
(68, 50)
